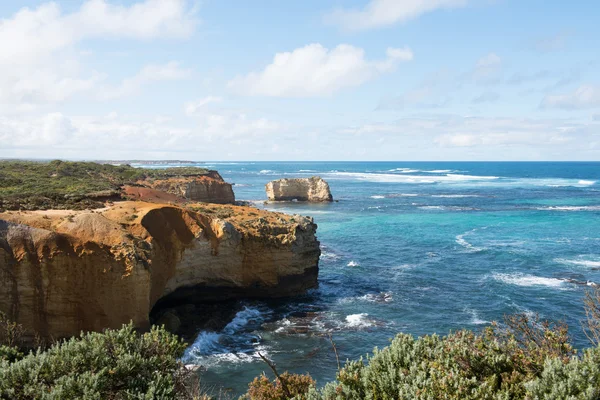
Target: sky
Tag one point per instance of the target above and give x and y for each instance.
(274, 80)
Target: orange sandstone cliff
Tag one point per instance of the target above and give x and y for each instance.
(209, 188)
(64, 271)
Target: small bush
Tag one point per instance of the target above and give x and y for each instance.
(286, 386)
(116, 364)
(522, 360)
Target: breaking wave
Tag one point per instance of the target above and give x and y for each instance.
(460, 240)
(569, 208)
(520, 279)
(234, 344)
(579, 262)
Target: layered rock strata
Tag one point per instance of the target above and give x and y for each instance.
(313, 189)
(63, 272)
(209, 188)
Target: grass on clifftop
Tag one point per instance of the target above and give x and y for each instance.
(29, 184)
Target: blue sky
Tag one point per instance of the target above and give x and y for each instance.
(310, 80)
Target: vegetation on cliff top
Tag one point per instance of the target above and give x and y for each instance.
(525, 358)
(62, 184)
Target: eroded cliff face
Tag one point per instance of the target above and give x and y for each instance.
(209, 188)
(313, 189)
(66, 271)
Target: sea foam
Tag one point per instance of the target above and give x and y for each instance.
(579, 262)
(520, 279)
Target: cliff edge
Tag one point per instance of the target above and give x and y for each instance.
(66, 271)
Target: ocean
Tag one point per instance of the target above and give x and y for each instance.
(415, 247)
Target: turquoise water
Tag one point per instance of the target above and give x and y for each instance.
(417, 248)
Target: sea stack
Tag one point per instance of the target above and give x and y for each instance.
(313, 189)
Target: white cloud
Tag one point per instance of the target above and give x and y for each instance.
(486, 97)
(488, 69)
(57, 135)
(585, 96)
(193, 107)
(432, 92)
(313, 70)
(150, 73)
(552, 43)
(39, 59)
(380, 13)
(460, 131)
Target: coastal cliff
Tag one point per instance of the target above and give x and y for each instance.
(64, 271)
(209, 188)
(313, 189)
(26, 185)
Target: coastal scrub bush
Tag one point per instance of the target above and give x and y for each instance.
(285, 386)
(524, 359)
(116, 364)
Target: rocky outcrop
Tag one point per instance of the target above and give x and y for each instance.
(313, 189)
(209, 188)
(64, 271)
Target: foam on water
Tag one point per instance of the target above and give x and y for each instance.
(454, 196)
(579, 262)
(402, 195)
(475, 319)
(460, 239)
(353, 264)
(432, 207)
(391, 178)
(404, 170)
(358, 320)
(329, 255)
(383, 297)
(520, 279)
(569, 208)
(378, 197)
(209, 348)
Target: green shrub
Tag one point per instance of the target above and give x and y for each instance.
(116, 364)
(286, 386)
(523, 359)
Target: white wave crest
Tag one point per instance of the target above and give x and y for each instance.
(353, 264)
(383, 297)
(241, 319)
(520, 279)
(475, 319)
(378, 197)
(208, 348)
(377, 177)
(569, 208)
(460, 239)
(579, 262)
(329, 255)
(454, 196)
(358, 321)
(403, 195)
(404, 170)
(265, 171)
